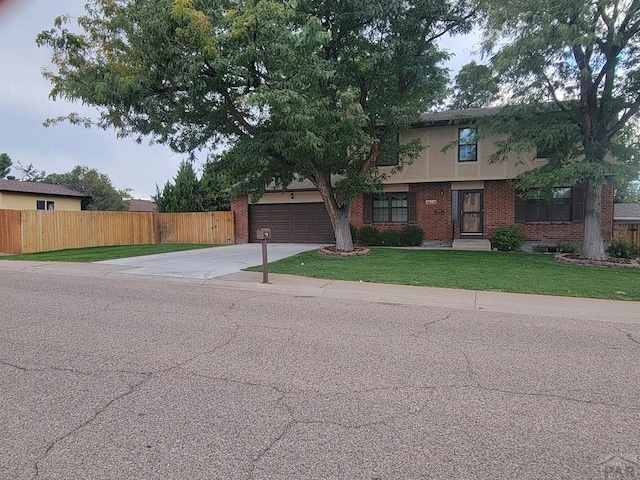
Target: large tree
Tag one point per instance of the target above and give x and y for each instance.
(316, 88)
(573, 70)
(475, 85)
(5, 165)
(98, 186)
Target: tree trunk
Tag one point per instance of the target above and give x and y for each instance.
(593, 243)
(339, 215)
(342, 230)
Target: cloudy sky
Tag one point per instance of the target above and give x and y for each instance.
(24, 105)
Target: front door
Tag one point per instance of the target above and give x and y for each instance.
(470, 202)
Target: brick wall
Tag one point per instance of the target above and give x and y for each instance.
(240, 208)
(434, 219)
(499, 209)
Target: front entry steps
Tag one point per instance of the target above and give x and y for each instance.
(479, 244)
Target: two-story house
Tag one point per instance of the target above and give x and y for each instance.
(450, 193)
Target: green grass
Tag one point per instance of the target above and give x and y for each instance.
(495, 271)
(96, 254)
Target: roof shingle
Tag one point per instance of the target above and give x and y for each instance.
(38, 188)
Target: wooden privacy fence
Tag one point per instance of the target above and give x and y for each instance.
(627, 231)
(29, 231)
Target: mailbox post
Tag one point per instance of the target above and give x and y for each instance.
(264, 234)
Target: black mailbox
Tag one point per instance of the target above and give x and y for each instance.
(263, 234)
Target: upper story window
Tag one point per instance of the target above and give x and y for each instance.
(467, 144)
(565, 205)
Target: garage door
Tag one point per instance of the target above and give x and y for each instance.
(292, 222)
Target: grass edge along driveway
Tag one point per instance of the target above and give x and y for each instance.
(97, 254)
(512, 272)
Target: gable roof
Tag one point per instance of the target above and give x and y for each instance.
(626, 211)
(38, 188)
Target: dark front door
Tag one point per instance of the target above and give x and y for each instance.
(470, 202)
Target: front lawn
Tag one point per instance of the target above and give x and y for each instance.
(496, 271)
(97, 254)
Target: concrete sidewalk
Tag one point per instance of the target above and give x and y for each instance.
(546, 305)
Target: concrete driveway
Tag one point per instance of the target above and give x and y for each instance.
(209, 262)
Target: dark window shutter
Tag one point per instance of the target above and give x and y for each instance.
(521, 208)
(367, 208)
(413, 207)
(578, 203)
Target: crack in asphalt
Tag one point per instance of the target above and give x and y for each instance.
(132, 388)
(90, 420)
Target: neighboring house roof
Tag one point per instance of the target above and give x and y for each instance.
(626, 211)
(138, 205)
(38, 188)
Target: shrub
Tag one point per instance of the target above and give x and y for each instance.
(390, 237)
(354, 233)
(619, 248)
(369, 236)
(567, 247)
(411, 235)
(507, 237)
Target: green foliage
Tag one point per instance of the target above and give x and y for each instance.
(304, 89)
(390, 237)
(98, 186)
(187, 193)
(183, 195)
(476, 85)
(620, 248)
(354, 232)
(369, 236)
(411, 235)
(507, 238)
(572, 72)
(5, 165)
(567, 247)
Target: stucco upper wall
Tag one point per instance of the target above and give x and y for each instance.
(22, 201)
(434, 165)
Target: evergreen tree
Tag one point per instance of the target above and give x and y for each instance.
(5, 165)
(183, 195)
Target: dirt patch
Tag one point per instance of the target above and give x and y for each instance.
(356, 252)
(575, 259)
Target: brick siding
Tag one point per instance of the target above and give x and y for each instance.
(435, 218)
(240, 208)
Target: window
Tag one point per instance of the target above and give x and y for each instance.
(565, 205)
(45, 205)
(467, 145)
(394, 207)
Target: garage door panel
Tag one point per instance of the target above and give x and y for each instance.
(295, 223)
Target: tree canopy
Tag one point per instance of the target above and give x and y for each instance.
(573, 71)
(5, 165)
(316, 89)
(475, 86)
(104, 196)
(187, 193)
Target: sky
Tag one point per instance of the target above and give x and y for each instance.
(25, 105)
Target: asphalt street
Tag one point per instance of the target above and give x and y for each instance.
(134, 377)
